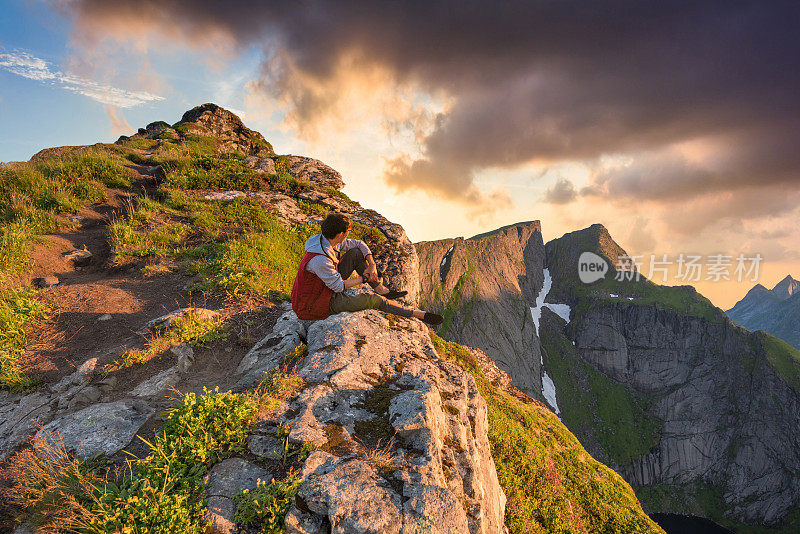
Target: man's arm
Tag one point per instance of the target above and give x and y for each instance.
(323, 267)
(371, 272)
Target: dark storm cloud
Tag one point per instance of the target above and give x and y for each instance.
(544, 81)
(562, 192)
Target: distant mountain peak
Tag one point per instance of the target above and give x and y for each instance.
(786, 287)
(758, 288)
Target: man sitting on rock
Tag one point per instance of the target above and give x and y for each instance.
(324, 274)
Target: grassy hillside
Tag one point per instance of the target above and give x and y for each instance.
(552, 484)
(235, 248)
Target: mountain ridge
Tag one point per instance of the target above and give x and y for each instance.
(320, 412)
(775, 310)
(628, 359)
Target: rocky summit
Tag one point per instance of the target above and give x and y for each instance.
(158, 381)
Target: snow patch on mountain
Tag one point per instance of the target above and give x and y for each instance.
(562, 310)
(549, 392)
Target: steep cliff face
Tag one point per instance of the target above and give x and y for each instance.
(484, 287)
(701, 405)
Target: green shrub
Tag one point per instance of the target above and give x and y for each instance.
(166, 492)
(370, 234)
(209, 172)
(315, 209)
(197, 330)
(288, 184)
(264, 509)
(282, 165)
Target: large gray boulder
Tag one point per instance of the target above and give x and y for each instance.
(401, 433)
(100, 428)
(314, 171)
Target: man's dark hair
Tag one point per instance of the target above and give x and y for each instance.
(334, 224)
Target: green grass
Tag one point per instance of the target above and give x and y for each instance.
(18, 308)
(314, 209)
(784, 358)
(223, 171)
(235, 247)
(368, 234)
(288, 184)
(622, 426)
(682, 299)
(35, 193)
(162, 492)
(255, 263)
(140, 143)
(455, 301)
(460, 299)
(551, 483)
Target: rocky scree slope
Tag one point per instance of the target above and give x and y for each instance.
(703, 413)
(775, 310)
(483, 286)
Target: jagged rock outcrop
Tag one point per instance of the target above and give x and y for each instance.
(563, 255)
(393, 421)
(485, 286)
(775, 310)
(231, 134)
(725, 412)
(313, 170)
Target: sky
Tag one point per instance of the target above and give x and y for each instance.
(675, 124)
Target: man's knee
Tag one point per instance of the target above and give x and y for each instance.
(351, 261)
(354, 255)
(375, 301)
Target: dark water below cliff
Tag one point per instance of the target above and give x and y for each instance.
(687, 524)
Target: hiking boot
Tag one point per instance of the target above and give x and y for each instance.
(433, 319)
(393, 295)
